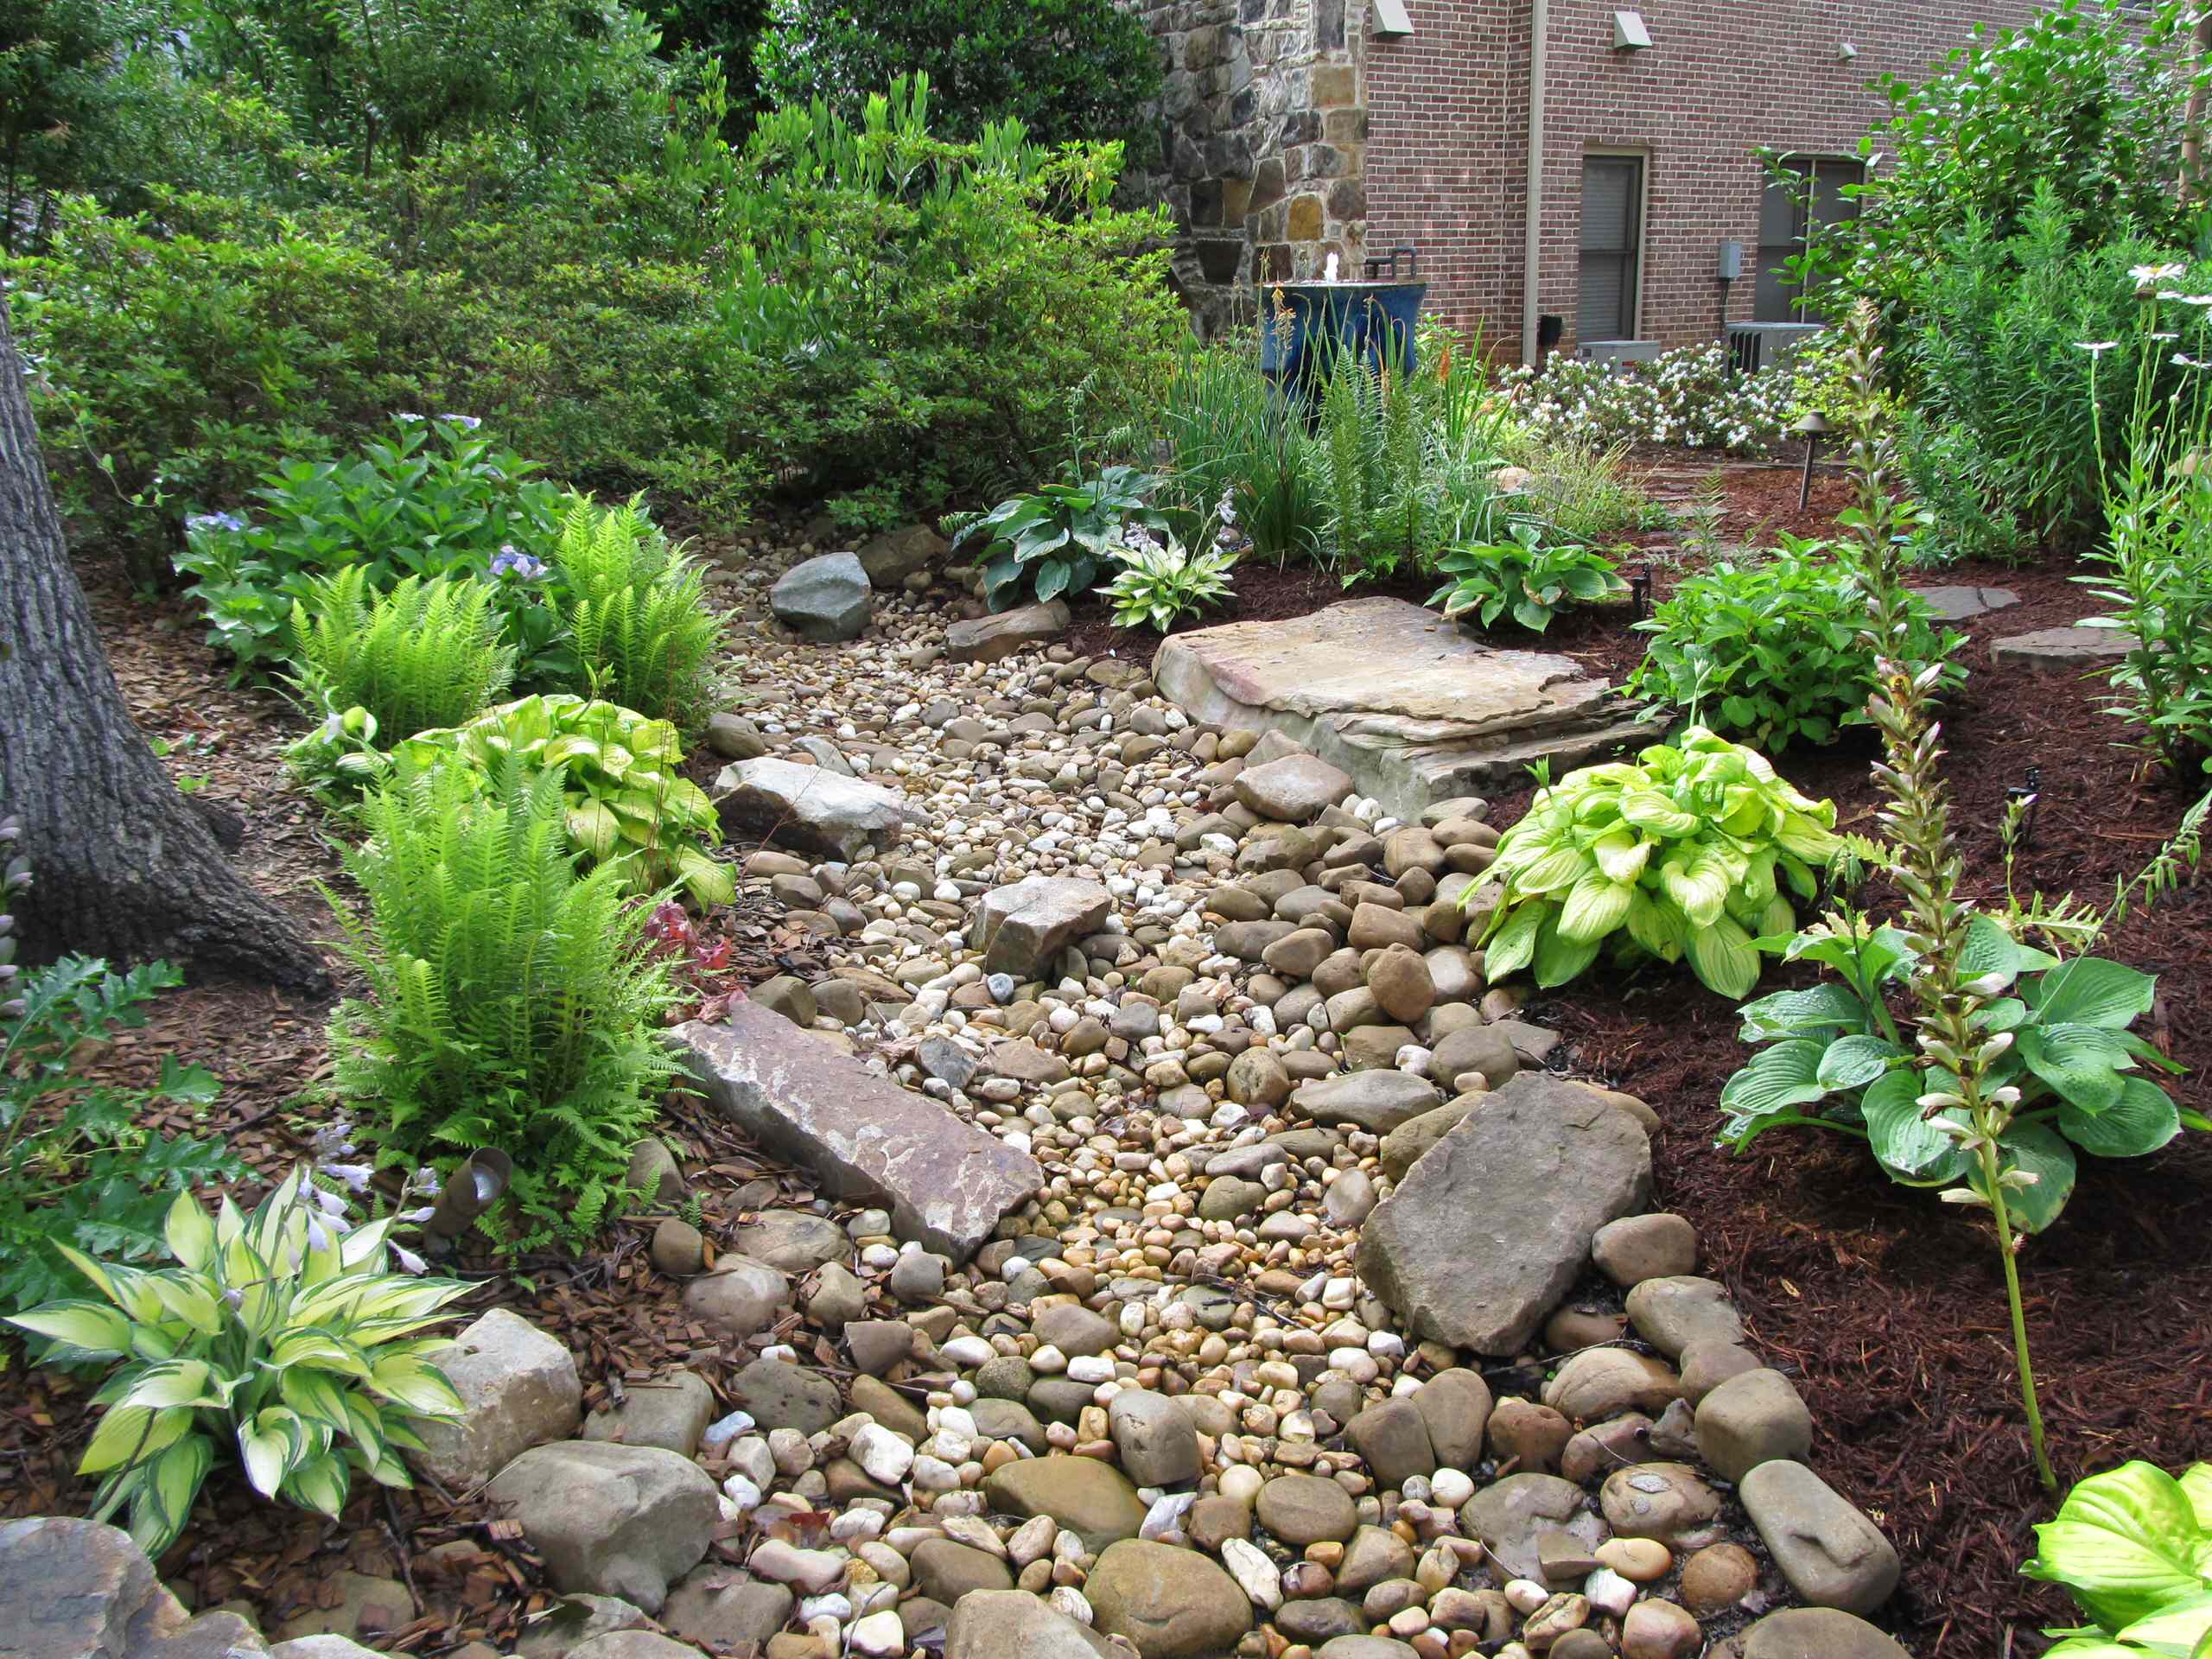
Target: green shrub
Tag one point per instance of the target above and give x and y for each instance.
(282, 1334)
(629, 807)
(425, 654)
(1691, 396)
(433, 499)
(2133, 1547)
(509, 1001)
(77, 1168)
(1775, 652)
(1574, 485)
(1523, 577)
(1675, 856)
(1161, 581)
(1050, 542)
(638, 622)
(1228, 434)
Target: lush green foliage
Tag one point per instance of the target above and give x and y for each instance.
(2084, 99)
(1068, 70)
(2133, 1547)
(1057, 535)
(1161, 582)
(638, 622)
(1775, 651)
(425, 654)
(1228, 434)
(1523, 576)
(508, 1003)
(1576, 487)
(2154, 566)
(627, 804)
(433, 499)
(1675, 856)
(1835, 1058)
(282, 1333)
(77, 1166)
(1691, 396)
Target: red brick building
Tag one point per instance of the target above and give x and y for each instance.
(1298, 128)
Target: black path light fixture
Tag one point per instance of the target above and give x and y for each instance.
(1639, 588)
(2020, 800)
(1813, 427)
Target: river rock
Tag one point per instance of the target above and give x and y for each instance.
(1493, 1225)
(1672, 1313)
(988, 638)
(612, 1520)
(1293, 790)
(891, 558)
(518, 1389)
(825, 599)
(1014, 1624)
(1091, 1499)
(1817, 1633)
(1172, 1604)
(1511, 1517)
(811, 809)
(1377, 1102)
(1154, 1437)
(1021, 929)
(1832, 1555)
(1750, 1419)
(74, 1589)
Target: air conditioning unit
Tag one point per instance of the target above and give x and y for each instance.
(1619, 351)
(1753, 346)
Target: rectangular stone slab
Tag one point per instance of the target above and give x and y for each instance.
(1413, 706)
(947, 1183)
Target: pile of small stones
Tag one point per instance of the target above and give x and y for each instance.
(1228, 1005)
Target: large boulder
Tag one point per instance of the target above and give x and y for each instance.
(1024, 927)
(1493, 1224)
(1015, 1624)
(1172, 1604)
(987, 639)
(811, 809)
(624, 1521)
(947, 1183)
(890, 558)
(825, 599)
(518, 1389)
(74, 1589)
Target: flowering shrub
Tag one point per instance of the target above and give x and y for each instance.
(1692, 395)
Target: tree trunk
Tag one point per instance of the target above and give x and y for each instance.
(122, 867)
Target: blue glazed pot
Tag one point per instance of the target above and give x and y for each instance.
(1375, 320)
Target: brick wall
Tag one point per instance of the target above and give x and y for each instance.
(1444, 162)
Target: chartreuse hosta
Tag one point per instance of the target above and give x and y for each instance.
(1836, 1059)
(2133, 1547)
(1684, 854)
(276, 1333)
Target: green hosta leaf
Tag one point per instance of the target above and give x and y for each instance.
(268, 1445)
(319, 1483)
(1621, 855)
(415, 1385)
(1787, 1074)
(1657, 924)
(1803, 837)
(1823, 1007)
(1595, 907)
(2126, 1543)
(2041, 1152)
(1652, 812)
(1909, 1147)
(96, 1331)
(1558, 958)
(1560, 868)
(2090, 991)
(1700, 885)
(130, 1434)
(1724, 957)
(176, 1382)
(1989, 948)
(2083, 1063)
(2142, 1118)
(1851, 1062)
(2196, 1486)
(1513, 946)
(166, 1496)
(190, 1234)
(2184, 1629)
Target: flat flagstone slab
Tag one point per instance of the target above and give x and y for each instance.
(1955, 603)
(947, 1182)
(2063, 651)
(1415, 709)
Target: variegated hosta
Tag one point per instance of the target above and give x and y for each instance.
(1682, 854)
(273, 1333)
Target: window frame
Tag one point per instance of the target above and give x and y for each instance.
(1807, 165)
(1639, 248)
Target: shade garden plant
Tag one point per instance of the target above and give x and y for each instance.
(2132, 1545)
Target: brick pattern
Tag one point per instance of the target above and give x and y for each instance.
(1290, 134)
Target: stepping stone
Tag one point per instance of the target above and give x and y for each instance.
(1959, 604)
(2061, 650)
(1414, 709)
(948, 1182)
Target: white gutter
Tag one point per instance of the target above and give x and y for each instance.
(1540, 18)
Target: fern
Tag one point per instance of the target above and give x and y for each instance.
(638, 615)
(509, 1002)
(426, 654)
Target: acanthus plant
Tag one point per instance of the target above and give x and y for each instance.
(2008, 1056)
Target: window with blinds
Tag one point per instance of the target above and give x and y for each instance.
(1612, 239)
(1806, 198)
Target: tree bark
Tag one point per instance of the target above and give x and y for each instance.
(122, 865)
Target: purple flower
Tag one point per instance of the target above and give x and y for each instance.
(511, 561)
(209, 521)
(466, 423)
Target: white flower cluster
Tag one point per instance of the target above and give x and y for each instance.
(1691, 396)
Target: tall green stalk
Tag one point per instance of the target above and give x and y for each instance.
(1954, 1027)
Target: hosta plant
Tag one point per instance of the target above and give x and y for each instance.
(1682, 854)
(1161, 581)
(2133, 1547)
(280, 1335)
(628, 801)
(1057, 537)
(1836, 1059)
(1523, 577)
